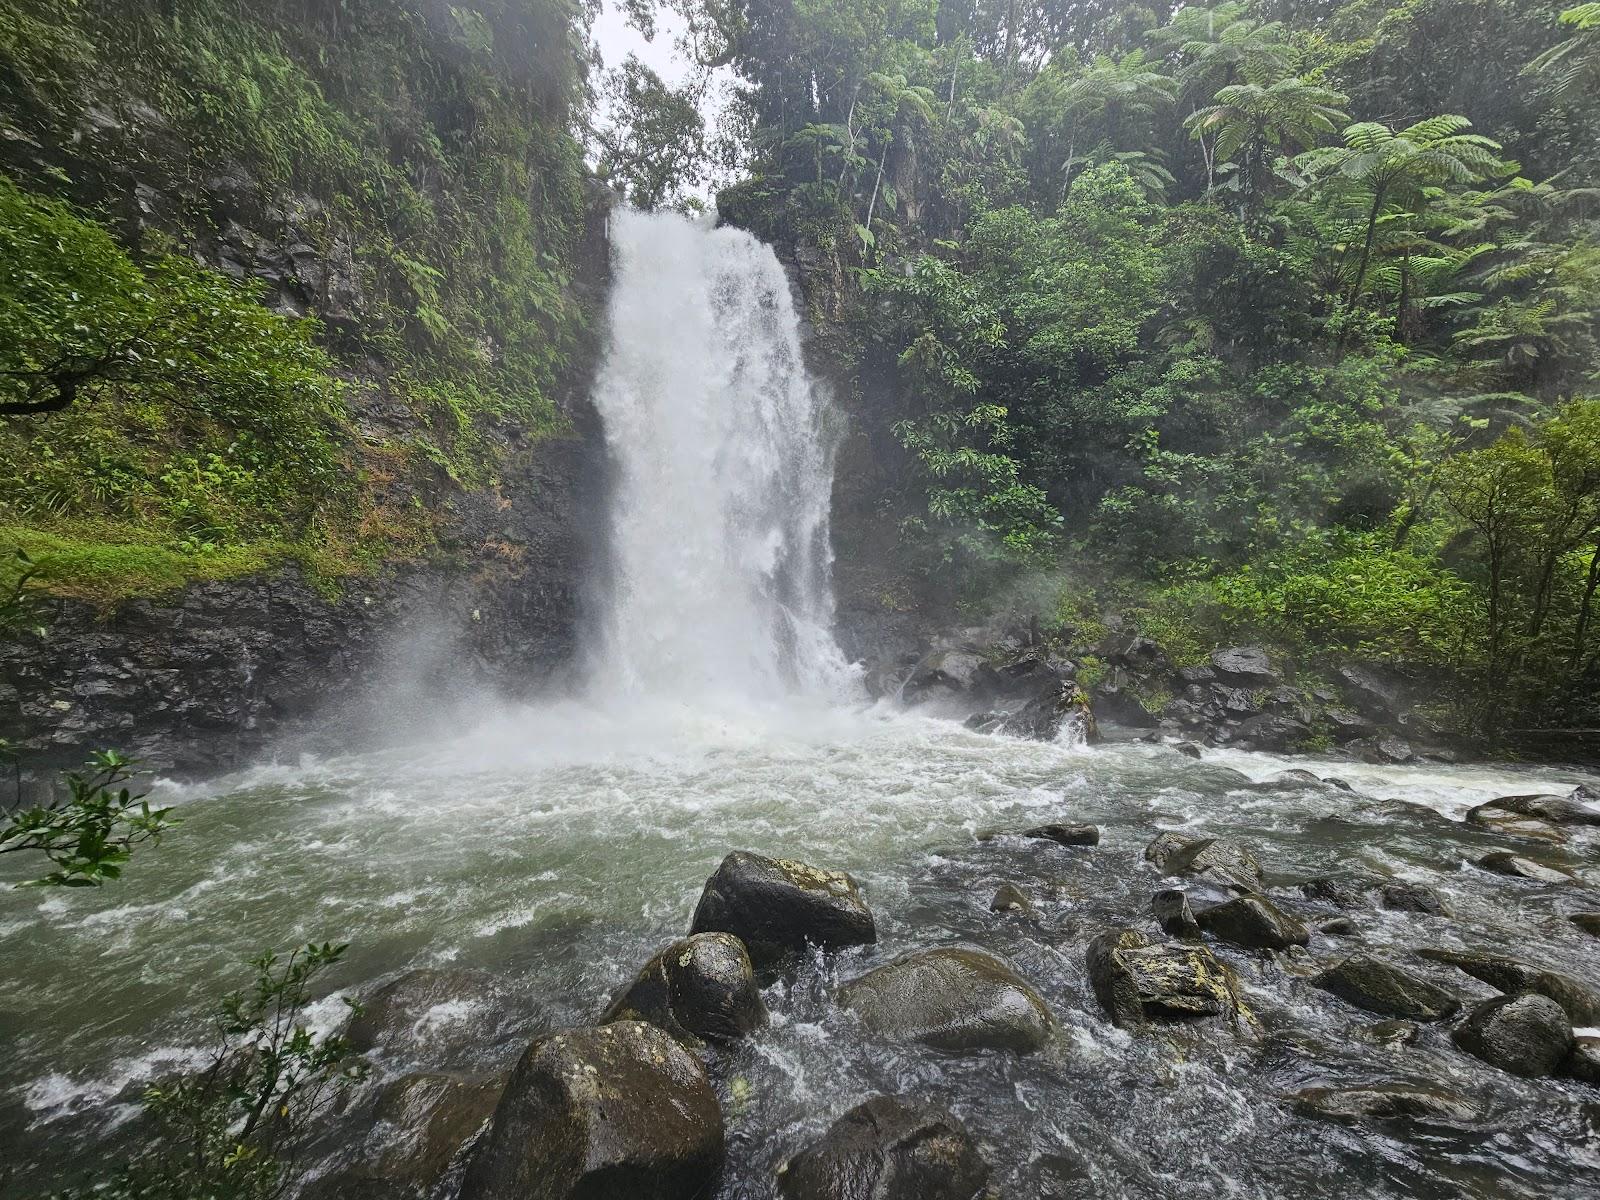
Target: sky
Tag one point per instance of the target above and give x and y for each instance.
(617, 40)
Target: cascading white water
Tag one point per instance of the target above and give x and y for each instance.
(719, 586)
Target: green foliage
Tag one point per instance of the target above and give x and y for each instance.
(90, 833)
(233, 1129)
(419, 168)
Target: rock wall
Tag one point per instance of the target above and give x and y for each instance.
(205, 680)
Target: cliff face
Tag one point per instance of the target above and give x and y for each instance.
(404, 172)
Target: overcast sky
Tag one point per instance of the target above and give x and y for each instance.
(617, 41)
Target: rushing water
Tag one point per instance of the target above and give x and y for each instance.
(558, 847)
(718, 588)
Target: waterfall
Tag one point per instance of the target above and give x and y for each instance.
(719, 582)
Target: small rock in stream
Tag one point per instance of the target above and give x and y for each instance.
(1589, 922)
(1217, 859)
(699, 989)
(888, 1149)
(619, 1111)
(778, 907)
(1504, 862)
(1172, 913)
(1578, 1000)
(1190, 750)
(1339, 927)
(1067, 835)
(1405, 896)
(1137, 983)
(952, 998)
(1255, 923)
(1379, 987)
(1009, 898)
(1525, 1035)
(1583, 1063)
(1341, 893)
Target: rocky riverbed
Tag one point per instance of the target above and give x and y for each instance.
(982, 965)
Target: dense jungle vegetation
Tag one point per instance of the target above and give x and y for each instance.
(1270, 319)
(277, 279)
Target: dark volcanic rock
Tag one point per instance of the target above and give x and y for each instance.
(1525, 1035)
(1405, 896)
(1172, 913)
(1246, 666)
(1255, 923)
(1379, 987)
(1009, 898)
(1137, 983)
(952, 998)
(1580, 1001)
(1504, 862)
(1387, 1102)
(1063, 706)
(699, 989)
(621, 1112)
(778, 907)
(888, 1149)
(1067, 835)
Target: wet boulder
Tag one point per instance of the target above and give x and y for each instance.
(1577, 999)
(1504, 862)
(1009, 898)
(888, 1149)
(1138, 983)
(952, 998)
(1067, 835)
(1171, 910)
(1255, 923)
(1583, 1063)
(1340, 893)
(1217, 859)
(1271, 731)
(1063, 707)
(1402, 895)
(618, 1112)
(1557, 810)
(1339, 927)
(436, 1015)
(1524, 1035)
(1244, 666)
(700, 989)
(1190, 750)
(1382, 988)
(432, 1116)
(778, 907)
(1386, 1102)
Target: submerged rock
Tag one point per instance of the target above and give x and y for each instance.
(1391, 1034)
(952, 998)
(1379, 987)
(1009, 898)
(1137, 983)
(1255, 923)
(1404, 896)
(1172, 913)
(1589, 922)
(1525, 1035)
(778, 907)
(1067, 835)
(1578, 1000)
(699, 989)
(1504, 862)
(888, 1149)
(620, 1112)
(1386, 1102)
(437, 1013)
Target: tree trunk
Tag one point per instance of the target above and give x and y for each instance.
(876, 184)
